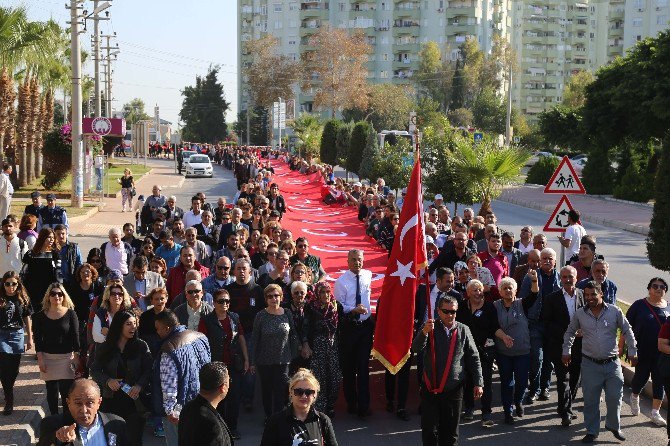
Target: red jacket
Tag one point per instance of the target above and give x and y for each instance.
(176, 280)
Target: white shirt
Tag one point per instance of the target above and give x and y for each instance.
(345, 291)
(525, 248)
(570, 301)
(433, 298)
(440, 240)
(574, 233)
(191, 219)
(115, 257)
(193, 317)
(11, 254)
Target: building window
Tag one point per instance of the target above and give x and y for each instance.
(385, 57)
(292, 23)
(661, 3)
(279, 24)
(293, 6)
(343, 7)
(292, 40)
(637, 21)
(277, 7)
(662, 20)
(638, 38)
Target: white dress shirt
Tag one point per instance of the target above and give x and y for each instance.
(345, 291)
(570, 301)
(191, 219)
(115, 257)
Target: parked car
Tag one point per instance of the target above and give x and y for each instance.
(199, 166)
(578, 157)
(186, 154)
(579, 165)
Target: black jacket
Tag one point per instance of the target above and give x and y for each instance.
(137, 361)
(283, 429)
(280, 206)
(113, 425)
(201, 425)
(211, 239)
(556, 318)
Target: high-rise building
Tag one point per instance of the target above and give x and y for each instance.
(394, 29)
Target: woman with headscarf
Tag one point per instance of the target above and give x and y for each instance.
(320, 343)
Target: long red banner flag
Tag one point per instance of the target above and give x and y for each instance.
(395, 309)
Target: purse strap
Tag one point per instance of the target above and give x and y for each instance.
(653, 312)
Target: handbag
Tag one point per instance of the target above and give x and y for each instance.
(133, 191)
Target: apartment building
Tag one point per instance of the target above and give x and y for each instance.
(394, 29)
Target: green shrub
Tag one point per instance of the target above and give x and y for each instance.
(658, 242)
(598, 175)
(57, 157)
(540, 172)
(635, 184)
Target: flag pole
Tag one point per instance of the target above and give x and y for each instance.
(431, 335)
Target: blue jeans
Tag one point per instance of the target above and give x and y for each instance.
(539, 377)
(171, 433)
(248, 379)
(595, 379)
(513, 378)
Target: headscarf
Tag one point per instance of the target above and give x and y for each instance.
(327, 314)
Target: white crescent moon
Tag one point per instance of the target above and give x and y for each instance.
(409, 225)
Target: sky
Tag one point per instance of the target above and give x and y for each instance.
(163, 46)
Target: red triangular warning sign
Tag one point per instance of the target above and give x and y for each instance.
(558, 221)
(564, 180)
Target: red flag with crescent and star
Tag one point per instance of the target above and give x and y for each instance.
(395, 309)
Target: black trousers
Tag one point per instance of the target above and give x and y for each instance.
(402, 379)
(440, 415)
(9, 370)
(567, 378)
(124, 406)
(274, 387)
(355, 348)
(55, 387)
(229, 408)
(486, 357)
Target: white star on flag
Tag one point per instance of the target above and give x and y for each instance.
(404, 272)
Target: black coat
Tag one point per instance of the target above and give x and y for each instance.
(556, 318)
(283, 428)
(138, 364)
(111, 424)
(201, 425)
(212, 239)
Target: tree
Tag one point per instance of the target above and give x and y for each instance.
(394, 163)
(370, 155)
(271, 75)
(461, 117)
(388, 107)
(486, 168)
(134, 112)
(203, 109)
(634, 180)
(560, 126)
(574, 95)
(489, 112)
(658, 241)
(328, 148)
(308, 128)
(337, 69)
(542, 170)
(343, 141)
(434, 76)
(359, 137)
(598, 174)
(258, 126)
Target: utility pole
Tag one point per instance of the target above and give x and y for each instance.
(108, 72)
(158, 125)
(508, 127)
(95, 16)
(77, 197)
(248, 124)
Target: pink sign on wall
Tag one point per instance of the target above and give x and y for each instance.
(104, 126)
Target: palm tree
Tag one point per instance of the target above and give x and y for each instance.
(487, 168)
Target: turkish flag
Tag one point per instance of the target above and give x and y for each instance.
(395, 309)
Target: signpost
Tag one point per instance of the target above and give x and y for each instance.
(478, 136)
(564, 181)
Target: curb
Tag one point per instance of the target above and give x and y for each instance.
(647, 391)
(597, 220)
(94, 210)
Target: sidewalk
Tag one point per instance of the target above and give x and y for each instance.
(111, 216)
(603, 211)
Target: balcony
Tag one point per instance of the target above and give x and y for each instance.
(311, 12)
(464, 11)
(615, 50)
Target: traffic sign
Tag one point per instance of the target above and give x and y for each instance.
(478, 136)
(517, 139)
(558, 221)
(564, 180)
(412, 123)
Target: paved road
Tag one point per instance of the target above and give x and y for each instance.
(630, 271)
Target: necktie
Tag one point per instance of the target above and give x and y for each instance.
(358, 294)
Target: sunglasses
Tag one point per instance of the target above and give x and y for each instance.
(445, 311)
(193, 291)
(298, 391)
(223, 301)
(11, 283)
(656, 286)
(301, 246)
(116, 294)
(56, 293)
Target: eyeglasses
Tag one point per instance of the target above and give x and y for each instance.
(193, 291)
(11, 283)
(656, 286)
(56, 293)
(445, 311)
(223, 301)
(116, 293)
(223, 267)
(298, 391)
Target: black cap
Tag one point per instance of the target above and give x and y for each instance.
(51, 196)
(35, 194)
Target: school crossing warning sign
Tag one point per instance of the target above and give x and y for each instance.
(564, 180)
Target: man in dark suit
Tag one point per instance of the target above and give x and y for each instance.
(521, 270)
(199, 423)
(83, 402)
(140, 282)
(513, 254)
(229, 228)
(207, 231)
(557, 310)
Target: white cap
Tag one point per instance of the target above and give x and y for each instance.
(438, 197)
(357, 183)
(429, 239)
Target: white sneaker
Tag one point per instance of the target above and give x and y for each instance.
(657, 419)
(634, 404)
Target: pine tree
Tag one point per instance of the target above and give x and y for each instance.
(328, 148)
(658, 241)
(359, 137)
(370, 154)
(598, 174)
